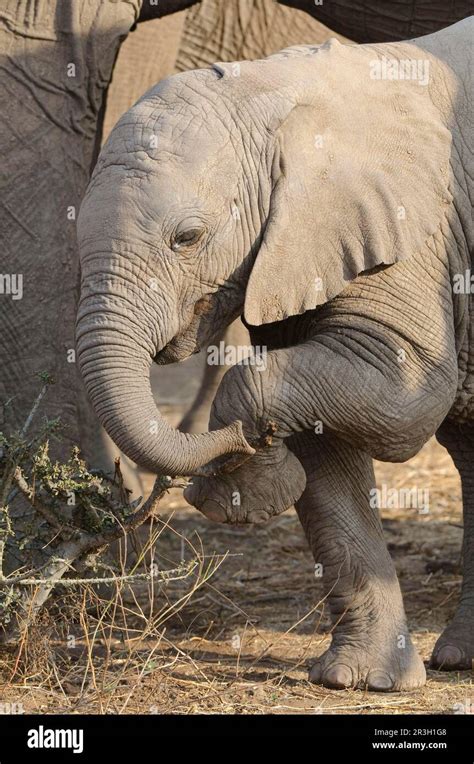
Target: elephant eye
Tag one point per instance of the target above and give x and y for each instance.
(186, 238)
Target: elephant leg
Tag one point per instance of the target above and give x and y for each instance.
(197, 418)
(454, 649)
(371, 647)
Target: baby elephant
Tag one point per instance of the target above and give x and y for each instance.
(325, 195)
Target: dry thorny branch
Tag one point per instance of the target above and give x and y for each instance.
(56, 519)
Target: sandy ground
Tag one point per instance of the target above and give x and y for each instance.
(242, 642)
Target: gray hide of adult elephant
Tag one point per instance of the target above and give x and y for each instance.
(373, 21)
(48, 146)
(57, 62)
(350, 209)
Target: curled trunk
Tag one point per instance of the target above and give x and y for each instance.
(115, 364)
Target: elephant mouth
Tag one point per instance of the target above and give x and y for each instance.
(178, 349)
(190, 340)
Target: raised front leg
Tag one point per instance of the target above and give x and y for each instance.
(375, 392)
(455, 647)
(371, 646)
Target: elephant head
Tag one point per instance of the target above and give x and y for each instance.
(242, 188)
(157, 220)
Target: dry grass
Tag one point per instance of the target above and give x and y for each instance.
(236, 635)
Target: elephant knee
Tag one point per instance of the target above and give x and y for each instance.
(407, 426)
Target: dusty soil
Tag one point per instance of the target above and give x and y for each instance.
(242, 642)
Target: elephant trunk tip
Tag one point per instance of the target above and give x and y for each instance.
(238, 439)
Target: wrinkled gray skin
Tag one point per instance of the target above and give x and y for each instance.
(381, 352)
(49, 144)
(250, 29)
(53, 133)
(210, 31)
(380, 22)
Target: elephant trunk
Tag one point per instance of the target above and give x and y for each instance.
(115, 355)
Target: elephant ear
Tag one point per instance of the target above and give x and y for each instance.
(360, 180)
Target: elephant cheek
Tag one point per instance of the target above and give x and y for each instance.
(260, 489)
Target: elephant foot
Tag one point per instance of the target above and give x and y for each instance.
(454, 650)
(264, 486)
(376, 668)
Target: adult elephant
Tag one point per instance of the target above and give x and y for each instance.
(56, 65)
(348, 210)
(372, 21)
(211, 30)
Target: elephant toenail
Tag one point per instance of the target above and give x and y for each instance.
(213, 511)
(379, 680)
(258, 516)
(315, 673)
(448, 656)
(338, 677)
